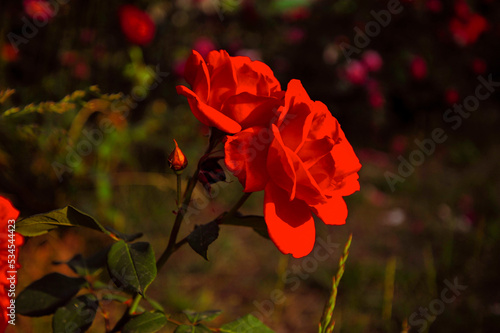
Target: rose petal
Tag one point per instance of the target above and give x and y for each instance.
(290, 223)
(314, 150)
(7, 210)
(222, 76)
(280, 164)
(245, 157)
(196, 74)
(296, 122)
(333, 212)
(306, 187)
(207, 114)
(255, 77)
(346, 161)
(250, 110)
(323, 124)
(349, 185)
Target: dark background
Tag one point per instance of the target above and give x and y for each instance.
(436, 224)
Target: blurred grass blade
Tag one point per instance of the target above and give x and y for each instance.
(390, 274)
(327, 323)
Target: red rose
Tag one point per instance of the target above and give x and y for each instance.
(7, 212)
(137, 25)
(230, 93)
(39, 9)
(305, 165)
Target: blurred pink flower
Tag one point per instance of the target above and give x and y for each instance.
(179, 66)
(355, 72)
(203, 45)
(399, 144)
(418, 68)
(376, 99)
(295, 35)
(375, 96)
(372, 60)
(38, 9)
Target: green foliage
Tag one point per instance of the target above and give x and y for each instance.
(202, 236)
(200, 328)
(66, 217)
(87, 266)
(246, 324)
(147, 322)
(132, 266)
(257, 223)
(195, 317)
(45, 295)
(76, 316)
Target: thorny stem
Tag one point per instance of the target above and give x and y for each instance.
(172, 245)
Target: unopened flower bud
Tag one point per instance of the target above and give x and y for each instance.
(177, 160)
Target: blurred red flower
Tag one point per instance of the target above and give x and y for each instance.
(434, 6)
(466, 32)
(479, 66)
(230, 93)
(451, 96)
(137, 25)
(305, 165)
(9, 246)
(467, 26)
(9, 53)
(462, 9)
(418, 68)
(38, 9)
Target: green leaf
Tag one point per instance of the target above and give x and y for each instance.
(195, 317)
(45, 295)
(202, 236)
(68, 216)
(147, 322)
(132, 266)
(246, 324)
(76, 316)
(258, 223)
(192, 329)
(87, 266)
(285, 5)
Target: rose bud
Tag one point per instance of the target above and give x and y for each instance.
(177, 160)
